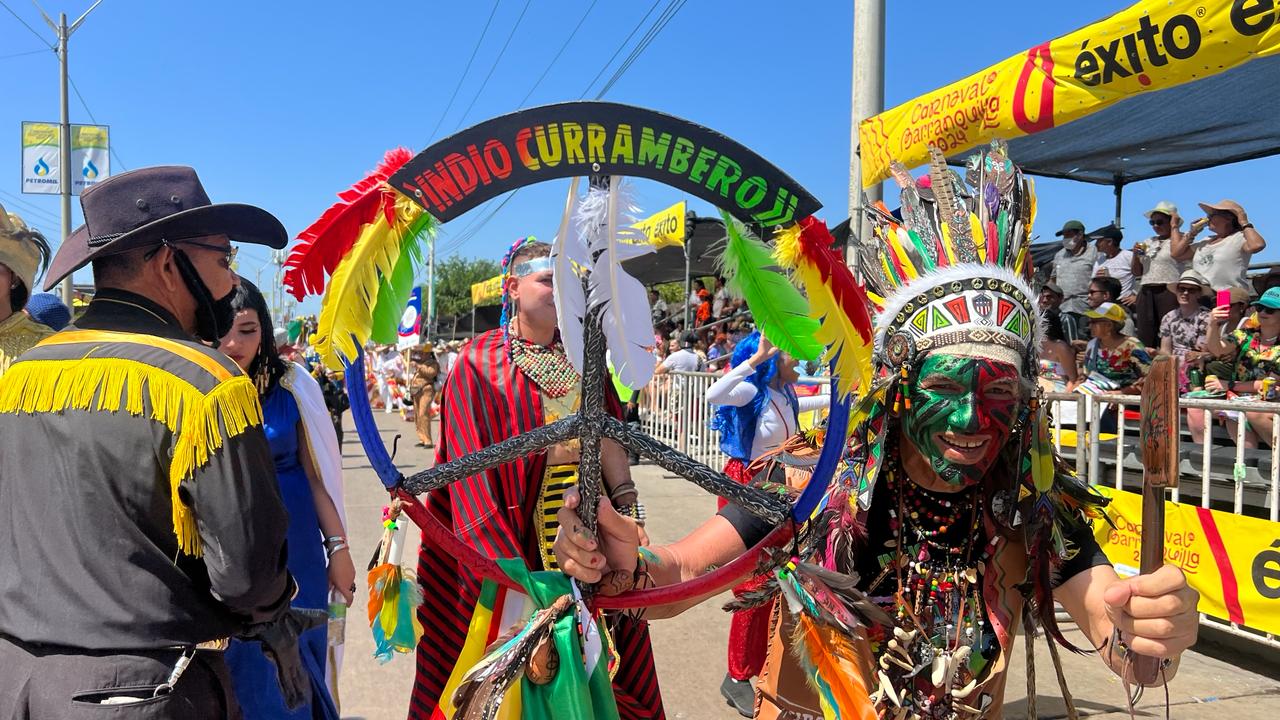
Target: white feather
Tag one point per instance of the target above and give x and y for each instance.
(626, 321)
(569, 250)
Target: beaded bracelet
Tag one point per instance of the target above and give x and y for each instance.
(635, 511)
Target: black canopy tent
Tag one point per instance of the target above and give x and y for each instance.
(704, 238)
(1227, 117)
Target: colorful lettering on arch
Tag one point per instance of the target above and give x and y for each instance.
(589, 138)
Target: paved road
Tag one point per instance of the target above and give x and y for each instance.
(690, 648)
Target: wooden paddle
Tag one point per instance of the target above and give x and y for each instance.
(1159, 474)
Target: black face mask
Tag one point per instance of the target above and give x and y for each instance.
(214, 318)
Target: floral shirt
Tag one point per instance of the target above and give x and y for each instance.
(1122, 366)
(1186, 333)
(1254, 360)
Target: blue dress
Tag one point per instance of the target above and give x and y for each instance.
(253, 675)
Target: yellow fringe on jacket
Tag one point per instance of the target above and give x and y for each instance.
(199, 421)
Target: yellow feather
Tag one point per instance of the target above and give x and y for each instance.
(946, 243)
(900, 239)
(979, 235)
(836, 331)
(346, 314)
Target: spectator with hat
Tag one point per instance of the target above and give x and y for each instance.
(47, 309)
(1224, 258)
(22, 250)
(1254, 355)
(1183, 329)
(1157, 267)
(1072, 270)
(1113, 361)
(1114, 262)
(151, 444)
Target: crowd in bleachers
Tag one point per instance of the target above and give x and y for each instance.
(1110, 310)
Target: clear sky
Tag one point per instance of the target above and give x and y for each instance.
(282, 104)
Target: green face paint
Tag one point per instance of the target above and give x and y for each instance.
(961, 414)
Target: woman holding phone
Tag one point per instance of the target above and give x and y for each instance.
(1254, 355)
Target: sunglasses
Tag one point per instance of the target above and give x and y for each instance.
(1267, 310)
(229, 251)
(1188, 290)
(1154, 223)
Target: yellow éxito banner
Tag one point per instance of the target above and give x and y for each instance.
(1233, 561)
(487, 292)
(1148, 46)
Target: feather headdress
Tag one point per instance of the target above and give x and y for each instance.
(951, 271)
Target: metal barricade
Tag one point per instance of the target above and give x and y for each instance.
(1240, 480)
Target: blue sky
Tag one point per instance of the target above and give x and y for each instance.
(283, 104)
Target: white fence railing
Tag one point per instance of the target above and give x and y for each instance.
(674, 409)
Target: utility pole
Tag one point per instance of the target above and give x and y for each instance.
(868, 100)
(64, 147)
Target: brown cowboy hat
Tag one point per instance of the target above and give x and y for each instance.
(1227, 206)
(147, 206)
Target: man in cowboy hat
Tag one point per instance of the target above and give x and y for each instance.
(22, 250)
(140, 522)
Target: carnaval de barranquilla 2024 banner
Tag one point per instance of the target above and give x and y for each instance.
(1233, 561)
(1148, 46)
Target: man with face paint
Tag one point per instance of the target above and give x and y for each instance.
(952, 513)
(140, 521)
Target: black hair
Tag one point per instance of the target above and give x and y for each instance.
(111, 270)
(267, 360)
(19, 295)
(1111, 286)
(1053, 326)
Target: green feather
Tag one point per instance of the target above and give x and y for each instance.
(781, 312)
(394, 290)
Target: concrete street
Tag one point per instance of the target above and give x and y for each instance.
(690, 649)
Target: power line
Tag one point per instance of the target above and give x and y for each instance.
(110, 145)
(29, 208)
(659, 25)
(23, 54)
(621, 45)
(465, 70)
(24, 24)
(494, 66)
(559, 52)
(466, 234)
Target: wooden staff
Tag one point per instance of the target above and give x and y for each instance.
(1159, 474)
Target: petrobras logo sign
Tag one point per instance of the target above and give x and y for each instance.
(42, 157)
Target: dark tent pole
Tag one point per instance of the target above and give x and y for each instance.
(688, 266)
(1119, 188)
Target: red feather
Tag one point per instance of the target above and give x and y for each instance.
(815, 243)
(323, 245)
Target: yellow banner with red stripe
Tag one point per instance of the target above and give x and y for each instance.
(1233, 561)
(1148, 46)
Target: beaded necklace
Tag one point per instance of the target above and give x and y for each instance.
(548, 367)
(941, 641)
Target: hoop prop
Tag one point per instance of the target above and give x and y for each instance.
(601, 140)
